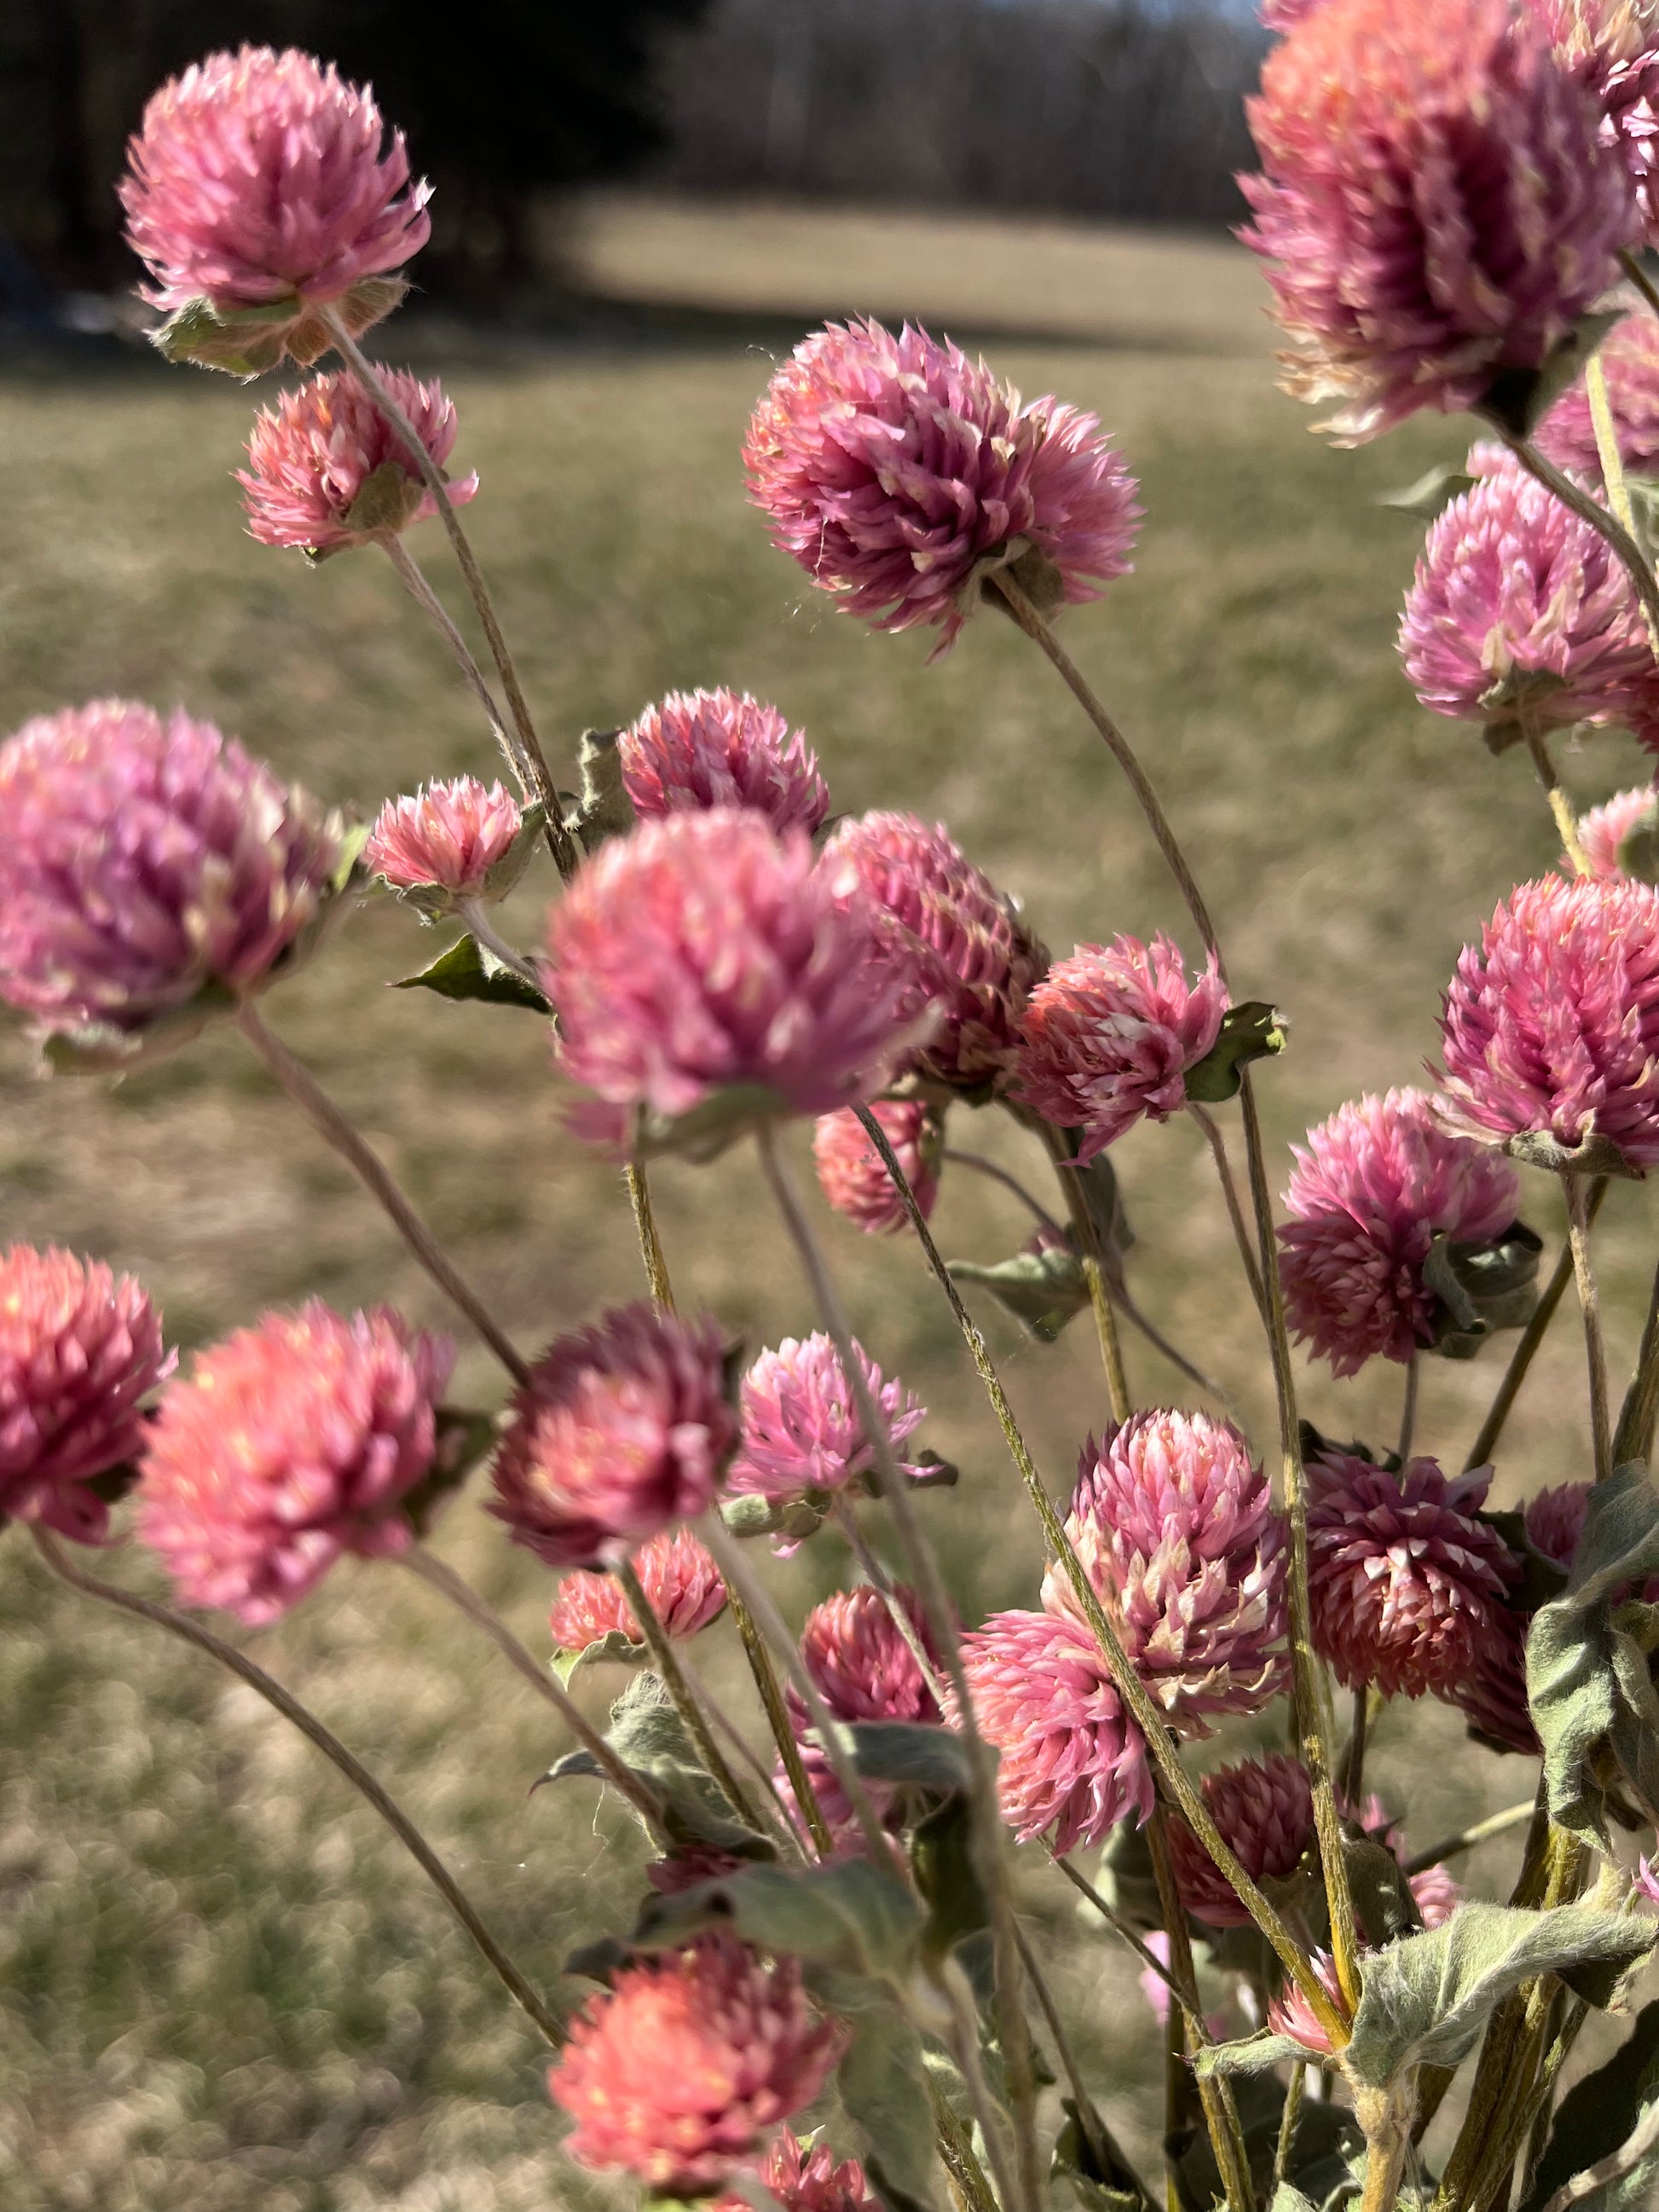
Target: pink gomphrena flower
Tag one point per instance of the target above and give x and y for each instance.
(1073, 1763)
(678, 1577)
(1609, 47)
(801, 1432)
(846, 1838)
(1110, 1034)
(327, 469)
(1629, 356)
(1435, 206)
(1289, 2013)
(1436, 1895)
(1378, 1183)
(449, 841)
(863, 1669)
(681, 2070)
(80, 1347)
(1550, 1027)
(898, 473)
(1264, 1809)
(1176, 1527)
(695, 749)
(1520, 618)
(853, 1176)
(984, 961)
(1645, 1880)
(148, 868)
(704, 962)
(1284, 15)
(1405, 1583)
(289, 1443)
(1604, 831)
(622, 1429)
(805, 2178)
(261, 180)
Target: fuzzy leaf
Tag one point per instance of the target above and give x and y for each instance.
(914, 1754)
(1252, 1031)
(942, 1861)
(649, 1737)
(1383, 1900)
(1043, 1289)
(1481, 1287)
(1249, 2054)
(1602, 2111)
(614, 1648)
(847, 1914)
(604, 809)
(462, 1438)
(467, 970)
(1435, 489)
(244, 342)
(761, 1516)
(884, 2092)
(599, 1961)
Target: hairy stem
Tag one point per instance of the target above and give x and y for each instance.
(1220, 2110)
(414, 580)
(1185, 1995)
(1014, 2186)
(645, 1225)
(1588, 509)
(1104, 2150)
(1634, 1437)
(1566, 822)
(474, 913)
(770, 1691)
(1353, 1766)
(1218, 1145)
(955, 2149)
(1086, 1234)
(1531, 1337)
(679, 1690)
(1288, 2118)
(1590, 1301)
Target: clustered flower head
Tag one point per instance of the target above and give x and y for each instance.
(695, 749)
(1110, 1034)
(681, 1582)
(1609, 47)
(145, 859)
(1376, 1185)
(859, 1662)
(806, 2179)
(801, 1430)
(897, 472)
(1603, 832)
(456, 840)
(622, 1429)
(326, 469)
(1550, 1027)
(1290, 2014)
(1435, 206)
(1629, 356)
(1264, 1810)
(853, 1176)
(289, 1443)
(79, 1349)
(681, 2071)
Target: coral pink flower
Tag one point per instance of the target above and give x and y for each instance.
(896, 471)
(1629, 356)
(1284, 15)
(1072, 1760)
(808, 2180)
(703, 954)
(695, 749)
(327, 469)
(1110, 1034)
(1378, 1183)
(853, 1175)
(1264, 1809)
(448, 838)
(1609, 46)
(984, 961)
(678, 1577)
(1551, 1026)
(289, 1443)
(1405, 1583)
(622, 1430)
(1435, 1894)
(144, 860)
(682, 2069)
(863, 1669)
(1434, 207)
(1290, 2014)
(801, 1430)
(1602, 832)
(79, 1348)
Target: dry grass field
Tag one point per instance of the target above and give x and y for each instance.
(222, 1987)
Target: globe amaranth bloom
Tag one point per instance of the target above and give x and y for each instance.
(853, 1176)
(144, 862)
(288, 1444)
(1609, 47)
(681, 1582)
(327, 470)
(1550, 1027)
(1604, 831)
(449, 841)
(1435, 206)
(695, 749)
(1376, 1184)
(1289, 2013)
(859, 1662)
(80, 1348)
(897, 473)
(980, 963)
(1629, 356)
(1264, 1809)
(805, 2178)
(1110, 1034)
(801, 1430)
(622, 1429)
(684, 2069)
(259, 179)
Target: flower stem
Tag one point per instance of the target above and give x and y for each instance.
(1106, 2152)
(1288, 2118)
(1408, 1406)
(1086, 1234)
(1220, 2109)
(679, 1690)
(1590, 510)
(1590, 1303)
(1531, 1337)
(297, 1080)
(1634, 1437)
(1468, 1839)
(645, 1226)
(1218, 1145)
(1185, 1995)
(1566, 822)
(474, 913)
(881, 1582)
(414, 580)
(356, 1772)
(981, 1166)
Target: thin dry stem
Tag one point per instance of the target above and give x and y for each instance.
(645, 1225)
(416, 584)
(1408, 1407)
(1531, 1337)
(876, 1575)
(1218, 1145)
(777, 1719)
(1215, 2094)
(679, 1690)
(474, 913)
(1634, 1437)
(1468, 1839)
(1187, 1998)
(981, 1166)
(1566, 822)
(1092, 1257)
(1589, 1301)
(1104, 2150)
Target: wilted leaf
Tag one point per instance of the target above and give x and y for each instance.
(884, 2092)
(847, 1914)
(1602, 2111)
(1249, 2054)
(1435, 489)
(468, 969)
(1251, 1030)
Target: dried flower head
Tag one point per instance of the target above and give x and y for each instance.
(681, 1582)
(1264, 1809)
(801, 1430)
(695, 749)
(1605, 829)
(449, 841)
(863, 1669)
(327, 469)
(287, 1444)
(853, 1175)
(1629, 356)
(805, 2178)
(622, 1430)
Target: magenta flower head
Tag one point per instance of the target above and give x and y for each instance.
(79, 1348)
(853, 1176)
(327, 470)
(1519, 616)
(704, 966)
(681, 1582)
(1609, 47)
(288, 1444)
(684, 2069)
(802, 1436)
(806, 2179)
(622, 1429)
(1264, 1809)
(863, 1669)
(1110, 1035)
(1605, 830)
(1434, 207)
(1629, 356)
(260, 188)
(1551, 1027)
(1377, 1184)
(149, 870)
(695, 749)
(450, 841)
(900, 474)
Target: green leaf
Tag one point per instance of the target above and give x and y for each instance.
(467, 970)
(1435, 489)
(599, 1961)
(616, 1648)
(760, 1516)
(1248, 2054)
(915, 1755)
(649, 1737)
(883, 2083)
(1383, 1900)
(942, 1861)
(604, 809)
(1599, 2112)
(1326, 2141)
(1252, 1031)
(1481, 1287)
(847, 1914)
(1043, 1285)
(387, 499)
(244, 342)
(1517, 399)
(462, 1438)
(1126, 1880)
(1111, 2186)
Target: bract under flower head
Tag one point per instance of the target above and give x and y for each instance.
(801, 1430)
(681, 1582)
(327, 469)
(449, 841)
(695, 749)
(853, 1176)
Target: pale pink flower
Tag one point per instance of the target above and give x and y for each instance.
(80, 1347)
(1264, 1809)
(1283, 16)
(622, 1430)
(1289, 2013)
(450, 839)
(896, 471)
(860, 1664)
(853, 1176)
(1436, 1895)
(1646, 1880)
(327, 469)
(681, 1582)
(1602, 832)
(1110, 1034)
(801, 1430)
(288, 1444)
(1435, 206)
(1153, 1987)
(806, 2179)
(695, 749)
(684, 2068)
(1609, 47)
(1629, 356)
(1378, 1183)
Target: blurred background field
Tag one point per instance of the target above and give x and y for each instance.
(222, 1986)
